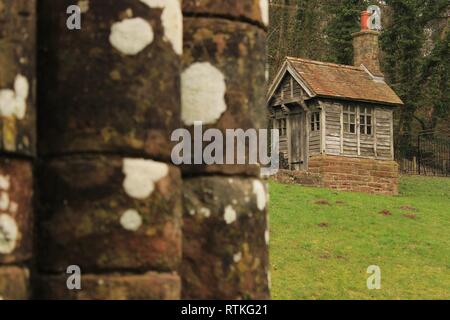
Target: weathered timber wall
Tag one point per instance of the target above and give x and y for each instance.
(110, 202)
(225, 235)
(17, 144)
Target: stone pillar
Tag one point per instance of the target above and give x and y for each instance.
(225, 234)
(17, 144)
(110, 201)
(367, 51)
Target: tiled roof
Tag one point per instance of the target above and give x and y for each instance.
(341, 81)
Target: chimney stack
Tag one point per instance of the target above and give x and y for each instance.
(366, 47)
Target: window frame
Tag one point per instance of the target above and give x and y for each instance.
(282, 126)
(365, 125)
(347, 113)
(315, 121)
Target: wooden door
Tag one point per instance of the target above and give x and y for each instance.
(297, 141)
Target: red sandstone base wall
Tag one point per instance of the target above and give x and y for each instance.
(356, 174)
(347, 174)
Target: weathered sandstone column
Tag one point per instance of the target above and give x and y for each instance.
(17, 144)
(110, 201)
(225, 234)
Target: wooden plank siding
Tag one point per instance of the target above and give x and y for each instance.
(333, 128)
(377, 145)
(289, 89)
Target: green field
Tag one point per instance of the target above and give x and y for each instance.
(322, 242)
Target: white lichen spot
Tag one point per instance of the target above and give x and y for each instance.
(205, 212)
(84, 5)
(230, 215)
(172, 21)
(264, 7)
(261, 195)
(192, 212)
(101, 282)
(131, 36)
(269, 280)
(4, 182)
(131, 220)
(141, 176)
(9, 233)
(267, 237)
(247, 199)
(13, 103)
(237, 257)
(4, 201)
(13, 207)
(203, 94)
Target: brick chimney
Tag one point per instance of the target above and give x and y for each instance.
(366, 48)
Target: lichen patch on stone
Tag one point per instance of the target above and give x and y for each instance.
(172, 21)
(230, 215)
(84, 5)
(205, 212)
(9, 233)
(264, 7)
(141, 176)
(4, 182)
(237, 257)
(131, 36)
(131, 220)
(261, 195)
(203, 94)
(13, 103)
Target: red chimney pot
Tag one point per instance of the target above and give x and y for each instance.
(364, 20)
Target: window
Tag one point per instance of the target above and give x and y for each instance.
(281, 125)
(315, 121)
(349, 119)
(365, 120)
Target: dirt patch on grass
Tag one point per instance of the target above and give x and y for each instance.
(324, 225)
(410, 216)
(408, 208)
(385, 213)
(340, 202)
(323, 202)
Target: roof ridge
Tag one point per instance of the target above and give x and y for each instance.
(330, 64)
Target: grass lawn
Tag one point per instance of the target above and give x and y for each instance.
(322, 242)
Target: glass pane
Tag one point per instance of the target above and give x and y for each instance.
(369, 120)
(369, 130)
(362, 119)
(369, 110)
(312, 126)
(352, 118)
(352, 128)
(362, 129)
(317, 116)
(318, 126)
(352, 109)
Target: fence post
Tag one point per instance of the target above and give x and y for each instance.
(419, 152)
(110, 201)
(17, 145)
